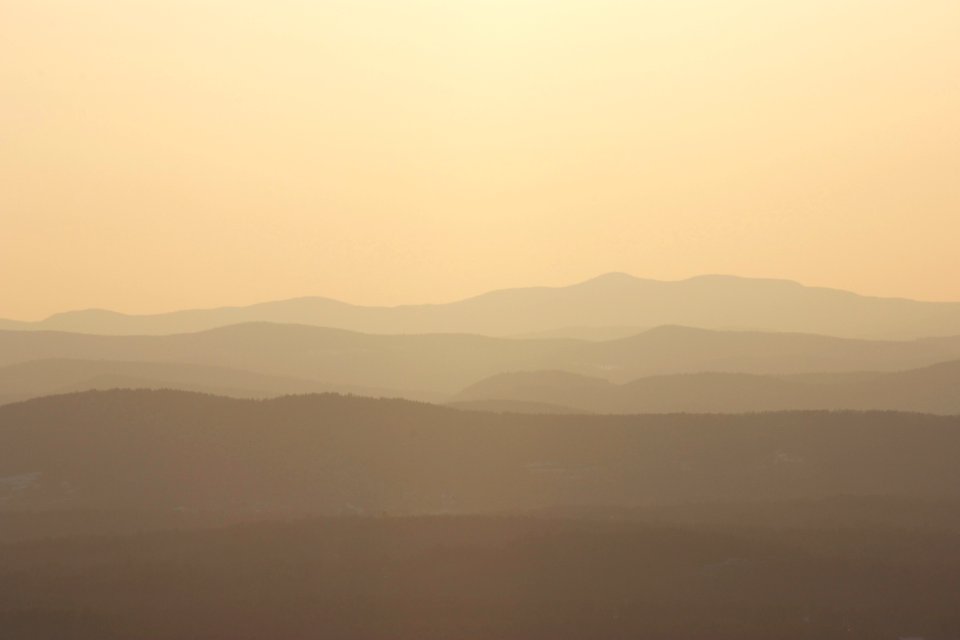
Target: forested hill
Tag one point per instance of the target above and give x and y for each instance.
(342, 454)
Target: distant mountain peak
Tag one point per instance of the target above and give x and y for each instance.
(615, 299)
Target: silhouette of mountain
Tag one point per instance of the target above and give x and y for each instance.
(673, 349)
(46, 377)
(930, 390)
(405, 365)
(601, 305)
(15, 325)
(431, 367)
(162, 450)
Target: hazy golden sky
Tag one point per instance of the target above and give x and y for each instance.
(161, 154)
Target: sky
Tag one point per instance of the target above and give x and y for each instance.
(166, 154)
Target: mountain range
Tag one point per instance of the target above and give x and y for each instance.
(167, 450)
(272, 359)
(934, 389)
(56, 376)
(612, 305)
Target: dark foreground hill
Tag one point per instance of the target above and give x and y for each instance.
(603, 306)
(484, 578)
(934, 389)
(684, 527)
(330, 454)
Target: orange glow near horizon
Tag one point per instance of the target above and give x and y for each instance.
(168, 154)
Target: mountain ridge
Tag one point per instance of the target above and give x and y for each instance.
(927, 389)
(334, 454)
(614, 299)
(446, 363)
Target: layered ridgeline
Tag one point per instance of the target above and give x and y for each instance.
(613, 305)
(329, 454)
(934, 389)
(261, 360)
(55, 376)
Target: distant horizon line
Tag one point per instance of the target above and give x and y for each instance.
(608, 275)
